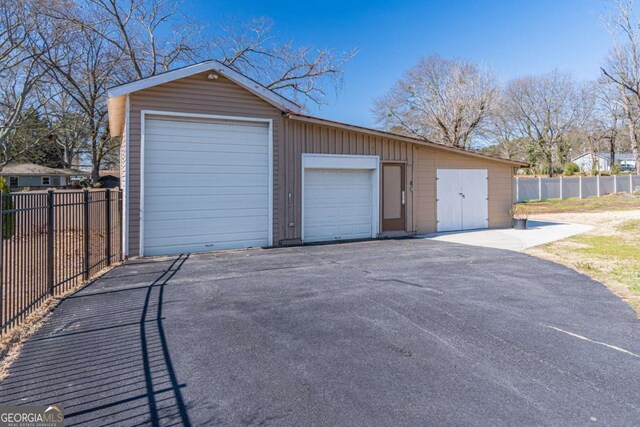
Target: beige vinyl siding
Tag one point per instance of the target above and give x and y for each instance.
(195, 94)
(428, 160)
(302, 137)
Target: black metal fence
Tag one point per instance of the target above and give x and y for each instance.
(53, 241)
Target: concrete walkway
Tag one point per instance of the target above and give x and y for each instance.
(538, 233)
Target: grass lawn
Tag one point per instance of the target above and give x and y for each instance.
(612, 202)
(610, 253)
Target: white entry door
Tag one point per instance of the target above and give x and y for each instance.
(462, 199)
(206, 185)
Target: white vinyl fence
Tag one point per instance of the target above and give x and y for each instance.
(525, 189)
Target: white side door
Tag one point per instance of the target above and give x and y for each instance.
(449, 199)
(474, 189)
(462, 199)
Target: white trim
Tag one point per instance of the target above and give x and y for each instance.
(257, 89)
(346, 161)
(127, 175)
(141, 201)
(144, 113)
(339, 161)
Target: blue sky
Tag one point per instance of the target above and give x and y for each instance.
(514, 37)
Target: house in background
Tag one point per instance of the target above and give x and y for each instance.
(37, 177)
(109, 179)
(601, 162)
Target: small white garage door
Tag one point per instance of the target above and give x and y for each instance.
(462, 199)
(206, 185)
(337, 204)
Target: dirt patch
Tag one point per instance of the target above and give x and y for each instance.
(609, 253)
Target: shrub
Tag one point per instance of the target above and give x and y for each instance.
(519, 211)
(571, 169)
(8, 219)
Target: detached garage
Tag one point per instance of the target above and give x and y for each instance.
(212, 160)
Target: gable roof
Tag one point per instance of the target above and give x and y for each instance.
(33, 169)
(116, 96)
(398, 137)
(117, 99)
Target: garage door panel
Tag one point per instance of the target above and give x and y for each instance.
(206, 186)
(181, 226)
(167, 213)
(178, 246)
(258, 168)
(169, 126)
(163, 126)
(223, 149)
(162, 179)
(219, 195)
(337, 204)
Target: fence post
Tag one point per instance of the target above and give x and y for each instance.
(85, 273)
(539, 188)
(120, 222)
(630, 183)
(561, 187)
(598, 184)
(2, 295)
(580, 186)
(50, 243)
(107, 199)
(615, 183)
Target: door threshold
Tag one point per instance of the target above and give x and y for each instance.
(394, 234)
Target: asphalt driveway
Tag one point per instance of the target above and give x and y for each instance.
(397, 332)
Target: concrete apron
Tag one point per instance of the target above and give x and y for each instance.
(537, 233)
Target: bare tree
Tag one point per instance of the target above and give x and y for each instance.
(603, 125)
(69, 126)
(301, 73)
(152, 35)
(445, 101)
(622, 68)
(22, 43)
(503, 131)
(544, 110)
(84, 65)
(157, 35)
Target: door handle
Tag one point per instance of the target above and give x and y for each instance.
(462, 194)
(402, 197)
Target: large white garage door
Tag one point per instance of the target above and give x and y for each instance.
(337, 204)
(462, 196)
(206, 185)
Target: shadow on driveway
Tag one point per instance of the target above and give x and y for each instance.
(104, 357)
(393, 332)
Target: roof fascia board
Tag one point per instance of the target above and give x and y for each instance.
(268, 95)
